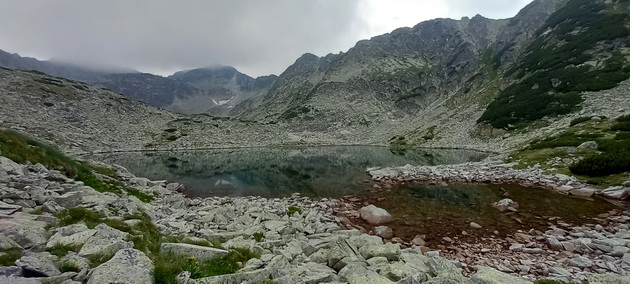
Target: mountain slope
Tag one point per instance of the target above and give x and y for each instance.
(582, 47)
(15, 61)
(82, 118)
(430, 84)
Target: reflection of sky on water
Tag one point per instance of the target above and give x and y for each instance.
(276, 172)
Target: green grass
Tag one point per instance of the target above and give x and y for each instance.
(608, 165)
(168, 266)
(61, 250)
(100, 258)
(21, 148)
(258, 236)
(292, 210)
(79, 215)
(144, 197)
(8, 257)
(69, 267)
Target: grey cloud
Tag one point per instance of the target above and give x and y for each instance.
(494, 9)
(257, 37)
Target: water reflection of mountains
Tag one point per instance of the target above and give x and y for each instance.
(271, 172)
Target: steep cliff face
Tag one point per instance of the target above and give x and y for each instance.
(381, 81)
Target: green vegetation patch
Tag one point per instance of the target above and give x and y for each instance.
(607, 165)
(62, 250)
(168, 266)
(79, 215)
(21, 149)
(8, 257)
(553, 73)
(615, 156)
(292, 210)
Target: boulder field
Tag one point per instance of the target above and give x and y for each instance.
(303, 245)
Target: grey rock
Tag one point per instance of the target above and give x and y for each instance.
(26, 236)
(10, 166)
(390, 251)
(475, 225)
(356, 273)
(106, 240)
(580, 261)
(77, 239)
(38, 264)
(128, 266)
(341, 249)
(375, 215)
(554, 244)
(582, 192)
(588, 145)
(384, 232)
(6, 243)
(487, 275)
(616, 192)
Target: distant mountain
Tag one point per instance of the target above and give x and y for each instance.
(15, 61)
(224, 85)
(212, 90)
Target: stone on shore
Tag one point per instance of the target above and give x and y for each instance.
(582, 192)
(375, 215)
(616, 192)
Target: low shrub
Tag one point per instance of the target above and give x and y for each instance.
(8, 257)
(61, 250)
(69, 267)
(292, 210)
(602, 165)
(168, 266)
(78, 214)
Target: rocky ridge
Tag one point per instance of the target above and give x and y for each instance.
(79, 117)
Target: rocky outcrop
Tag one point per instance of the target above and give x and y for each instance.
(129, 266)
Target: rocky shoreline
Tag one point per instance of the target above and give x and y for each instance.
(298, 239)
(484, 172)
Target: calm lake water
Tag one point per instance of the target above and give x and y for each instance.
(418, 209)
(278, 172)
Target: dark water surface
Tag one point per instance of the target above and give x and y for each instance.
(439, 211)
(277, 172)
(418, 209)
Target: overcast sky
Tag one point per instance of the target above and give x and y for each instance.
(258, 37)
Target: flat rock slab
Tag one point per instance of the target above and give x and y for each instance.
(128, 266)
(487, 275)
(199, 252)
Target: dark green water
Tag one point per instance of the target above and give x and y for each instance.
(278, 172)
(438, 211)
